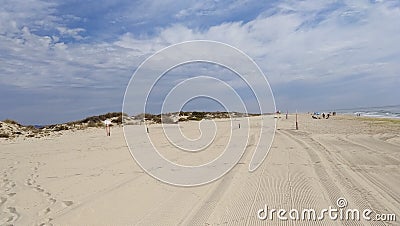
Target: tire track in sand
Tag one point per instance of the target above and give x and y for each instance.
(367, 177)
(288, 189)
(336, 179)
(203, 211)
(328, 181)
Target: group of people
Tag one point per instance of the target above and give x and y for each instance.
(317, 115)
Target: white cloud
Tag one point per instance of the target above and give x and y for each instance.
(283, 44)
(15, 14)
(74, 32)
(287, 50)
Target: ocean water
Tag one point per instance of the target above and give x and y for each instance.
(392, 111)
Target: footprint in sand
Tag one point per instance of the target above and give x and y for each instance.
(52, 200)
(9, 185)
(67, 203)
(2, 200)
(14, 215)
(12, 210)
(7, 220)
(30, 182)
(45, 211)
(38, 189)
(47, 222)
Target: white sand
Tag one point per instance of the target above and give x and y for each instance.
(87, 178)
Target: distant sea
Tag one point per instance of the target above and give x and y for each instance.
(392, 111)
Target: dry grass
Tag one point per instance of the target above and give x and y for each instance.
(95, 124)
(10, 121)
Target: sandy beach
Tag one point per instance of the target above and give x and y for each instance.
(84, 177)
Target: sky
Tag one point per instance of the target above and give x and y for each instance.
(66, 60)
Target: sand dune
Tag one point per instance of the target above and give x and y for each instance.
(86, 178)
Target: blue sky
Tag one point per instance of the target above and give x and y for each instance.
(65, 60)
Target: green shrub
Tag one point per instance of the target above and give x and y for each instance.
(117, 120)
(4, 135)
(156, 119)
(92, 124)
(61, 127)
(95, 124)
(199, 114)
(101, 118)
(10, 121)
(182, 113)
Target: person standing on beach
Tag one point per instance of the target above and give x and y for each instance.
(108, 129)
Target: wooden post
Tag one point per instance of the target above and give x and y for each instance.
(239, 125)
(297, 123)
(286, 113)
(147, 128)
